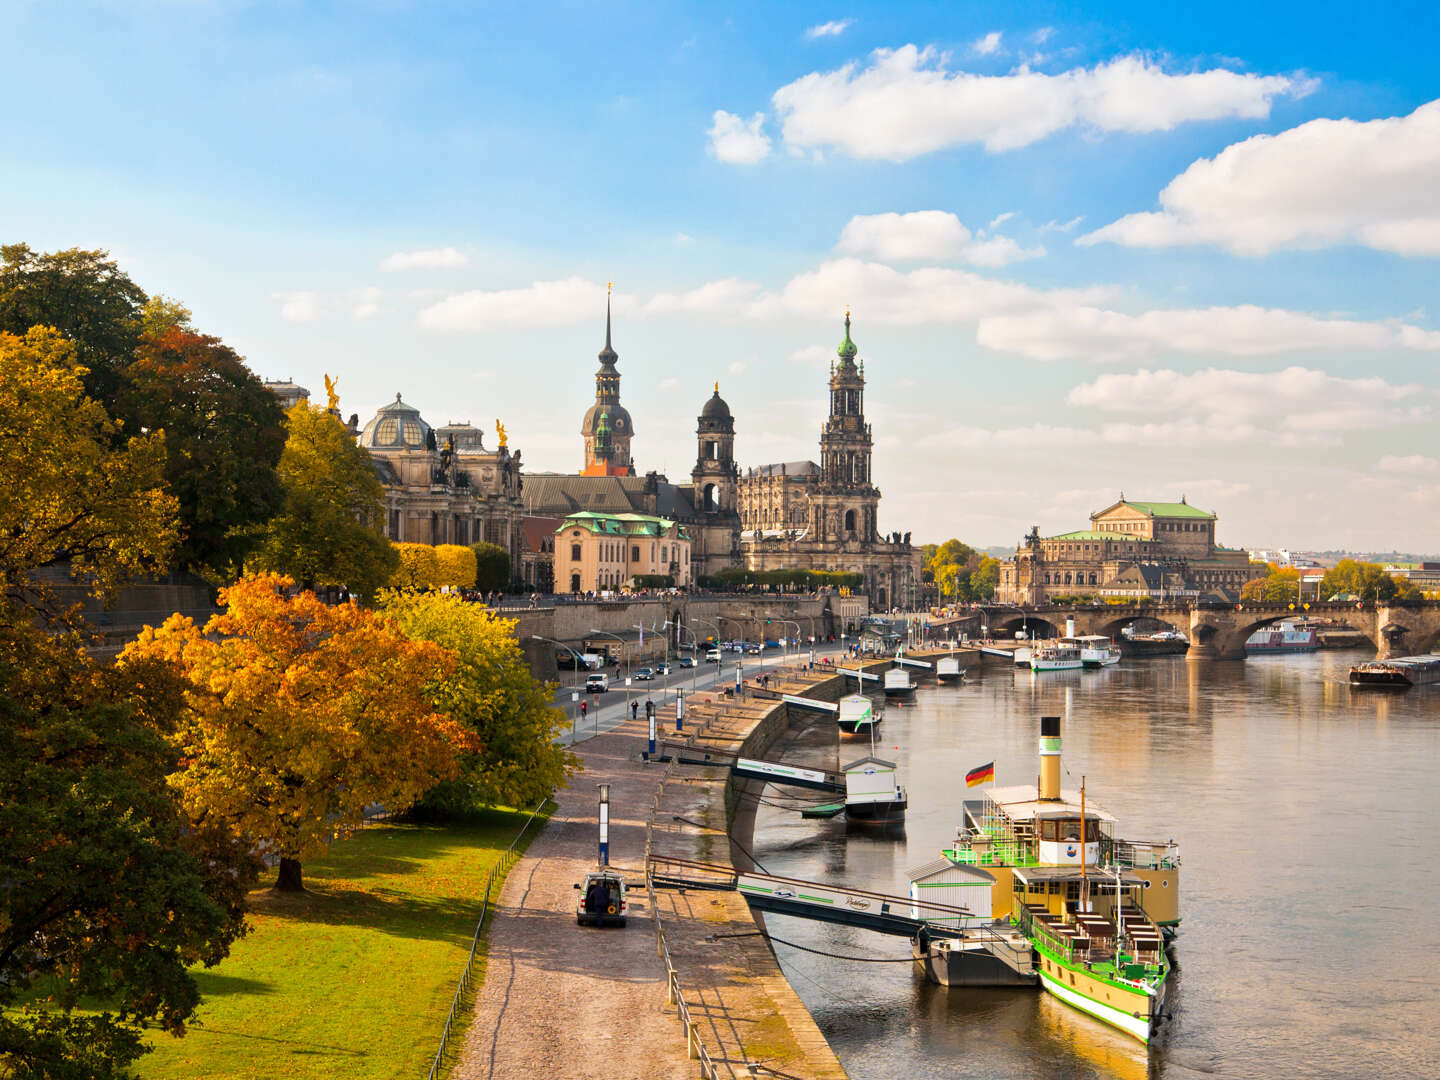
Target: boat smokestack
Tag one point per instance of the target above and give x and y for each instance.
(1050, 758)
(1070, 626)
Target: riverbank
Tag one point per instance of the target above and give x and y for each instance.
(579, 1002)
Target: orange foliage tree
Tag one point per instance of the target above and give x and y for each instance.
(298, 715)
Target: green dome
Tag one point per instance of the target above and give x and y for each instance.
(847, 349)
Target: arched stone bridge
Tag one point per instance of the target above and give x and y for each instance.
(1219, 631)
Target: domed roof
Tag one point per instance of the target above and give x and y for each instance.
(619, 419)
(468, 438)
(715, 408)
(396, 426)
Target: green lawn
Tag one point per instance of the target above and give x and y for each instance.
(353, 978)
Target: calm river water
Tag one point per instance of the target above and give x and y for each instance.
(1308, 819)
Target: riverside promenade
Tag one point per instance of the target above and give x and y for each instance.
(581, 1003)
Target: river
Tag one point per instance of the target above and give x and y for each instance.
(1308, 818)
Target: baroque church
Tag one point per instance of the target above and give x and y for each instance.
(443, 486)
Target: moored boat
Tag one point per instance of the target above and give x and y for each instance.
(1056, 656)
(1095, 909)
(873, 793)
(898, 682)
(1096, 650)
(948, 669)
(857, 716)
(1283, 637)
(1398, 673)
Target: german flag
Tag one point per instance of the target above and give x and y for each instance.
(982, 774)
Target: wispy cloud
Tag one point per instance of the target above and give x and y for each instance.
(987, 45)
(446, 258)
(833, 28)
(298, 307)
(929, 235)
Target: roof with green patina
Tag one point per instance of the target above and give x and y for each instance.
(622, 524)
(1094, 534)
(1167, 509)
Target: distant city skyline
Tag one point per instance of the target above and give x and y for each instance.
(1117, 248)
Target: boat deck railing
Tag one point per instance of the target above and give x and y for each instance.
(1127, 963)
(1147, 854)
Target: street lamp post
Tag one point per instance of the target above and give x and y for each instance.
(617, 637)
(579, 662)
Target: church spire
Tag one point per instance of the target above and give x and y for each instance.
(608, 355)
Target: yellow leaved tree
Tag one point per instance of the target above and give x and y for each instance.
(298, 715)
(455, 566)
(419, 566)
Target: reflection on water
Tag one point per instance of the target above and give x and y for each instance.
(1307, 816)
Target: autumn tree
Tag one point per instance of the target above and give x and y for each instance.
(1280, 586)
(329, 529)
(1367, 580)
(76, 491)
(514, 760)
(298, 715)
(109, 892)
(224, 434)
(418, 566)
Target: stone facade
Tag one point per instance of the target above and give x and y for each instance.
(1132, 549)
(441, 485)
(803, 515)
(600, 552)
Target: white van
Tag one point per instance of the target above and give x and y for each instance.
(713, 656)
(597, 684)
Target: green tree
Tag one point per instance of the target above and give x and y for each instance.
(76, 492)
(1367, 580)
(985, 578)
(515, 760)
(329, 529)
(224, 434)
(1280, 586)
(109, 893)
(492, 567)
(85, 296)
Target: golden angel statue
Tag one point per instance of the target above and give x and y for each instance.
(330, 385)
(500, 431)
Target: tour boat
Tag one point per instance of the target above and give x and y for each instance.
(1096, 650)
(948, 669)
(898, 682)
(1401, 672)
(873, 794)
(1283, 637)
(857, 716)
(1096, 909)
(1056, 656)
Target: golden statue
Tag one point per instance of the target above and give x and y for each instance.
(500, 431)
(717, 386)
(330, 384)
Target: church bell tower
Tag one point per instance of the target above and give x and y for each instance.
(846, 502)
(617, 461)
(715, 475)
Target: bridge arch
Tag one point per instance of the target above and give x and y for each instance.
(1142, 623)
(1036, 626)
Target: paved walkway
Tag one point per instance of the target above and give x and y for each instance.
(564, 1002)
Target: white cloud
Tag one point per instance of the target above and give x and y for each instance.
(736, 367)
(1000, 219)
(684, 239)
(543, 303)
(366, 302)
(727, 296)
(298, 307)
(1087, 332)
(927, 235)
(446, 258)
(813, 356)
(1324, 182)
(670, 383)
(905, 103)
(833, 28)
(987, 45)
(1408, 464)
(1294, 407)
(738, 142)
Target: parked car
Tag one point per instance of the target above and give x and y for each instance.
(645, 674)
(602, 899)
(597, 684)
(687, 661)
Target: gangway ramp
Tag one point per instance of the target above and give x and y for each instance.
(774, 772)
(914, 663)
(861, 675)
(900, 916)
(810, 703)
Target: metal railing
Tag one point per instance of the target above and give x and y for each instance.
(695, 1046)
(467, 977)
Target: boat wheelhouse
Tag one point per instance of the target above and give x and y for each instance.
(873, 792)
(898, 682)
(1096, 650)
(948, 669)
(857, 716)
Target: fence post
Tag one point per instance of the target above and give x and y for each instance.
(692, 1039)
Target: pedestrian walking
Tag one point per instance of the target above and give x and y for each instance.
(649, 708)
(635, 711)
(584, 708)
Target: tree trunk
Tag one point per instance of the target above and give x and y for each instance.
(289, 880)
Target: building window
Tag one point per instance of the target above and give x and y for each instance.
(849, 520)
(575, 552)
(635, 553)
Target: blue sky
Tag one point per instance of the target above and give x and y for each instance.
(1088, 247)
